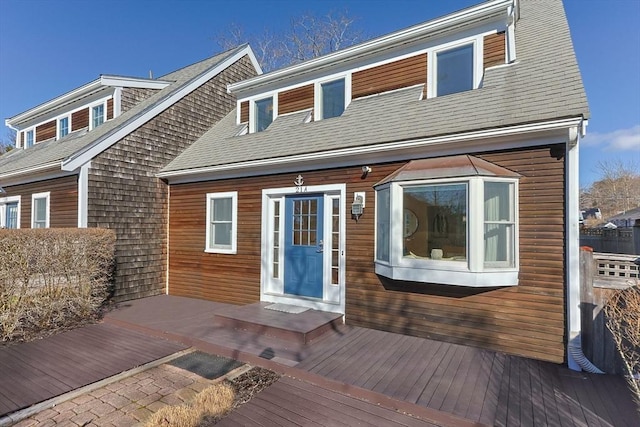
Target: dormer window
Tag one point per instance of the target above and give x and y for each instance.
(454, 70)
(29, 138)
(97, 116)
(262, 114)
(63, 127)
(332, 99)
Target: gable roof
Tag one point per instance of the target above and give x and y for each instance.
(77, 148)
(544, 84)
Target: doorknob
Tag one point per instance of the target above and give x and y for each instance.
(320, 246)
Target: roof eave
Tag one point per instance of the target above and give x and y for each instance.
(472, 14)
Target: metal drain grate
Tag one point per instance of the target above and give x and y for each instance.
(206, 365)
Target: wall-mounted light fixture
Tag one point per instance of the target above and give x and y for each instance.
(365, 171)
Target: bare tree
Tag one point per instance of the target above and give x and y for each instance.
(8, 143)
(307, 37)
(617, 190)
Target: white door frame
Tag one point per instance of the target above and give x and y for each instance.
(272, 246)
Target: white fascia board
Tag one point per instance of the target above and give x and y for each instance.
(438, 25)
(492, 139)
(119, 81)
(80, 158)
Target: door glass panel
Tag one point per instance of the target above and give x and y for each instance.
(305, 222)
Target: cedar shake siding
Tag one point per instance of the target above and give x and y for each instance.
(131, 96)
(527, 320)
(63, 202)
(126, 196)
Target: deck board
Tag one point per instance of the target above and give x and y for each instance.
(39, 370)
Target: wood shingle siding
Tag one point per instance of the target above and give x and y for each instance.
(46, 131)
(80, 119)
(127, 197)
(526, 320)
(297, 99)
(394, 75)
(63, 202)
(494, 49)
(244, 112)
(109, 108)
(131, 96)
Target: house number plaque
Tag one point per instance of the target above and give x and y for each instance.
(300, 187)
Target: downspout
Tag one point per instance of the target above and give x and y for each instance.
(576, 359)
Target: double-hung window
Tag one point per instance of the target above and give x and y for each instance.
(262, 114)
(332, 96)
(40, 210)
(456, 230)
(97, 116)
(10, 212)
(222, 223)
(455, 68)
(63, 127)
(29, 138)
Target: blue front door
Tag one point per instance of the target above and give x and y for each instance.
(303, 245)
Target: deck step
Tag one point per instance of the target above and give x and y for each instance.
(301, 327)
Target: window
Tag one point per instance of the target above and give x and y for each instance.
(10, 212)
(40, 210)
(454, 70)
(63, 127)
(456, 231)
(263, 114)
(332, 94)
(29, 139)
(222, 222)
(97, 116)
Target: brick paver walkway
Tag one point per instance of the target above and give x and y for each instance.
(127, 402)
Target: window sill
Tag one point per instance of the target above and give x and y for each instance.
(220, 251)
(447, 274)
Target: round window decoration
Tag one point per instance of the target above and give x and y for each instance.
(410, 223)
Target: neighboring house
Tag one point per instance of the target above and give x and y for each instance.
(424, 182)
(625, 219)
(89, 157)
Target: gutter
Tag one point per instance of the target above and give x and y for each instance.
(32, 169)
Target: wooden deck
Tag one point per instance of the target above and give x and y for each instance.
(40, 370)
(477, 385)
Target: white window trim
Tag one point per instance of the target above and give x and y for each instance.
(3, 206)
(104, 113)
(472, 273)
(26, 138)
(317, 93)
(252, 109)
(47, 196)
(223, 249)
(478, 59)
(59, 128)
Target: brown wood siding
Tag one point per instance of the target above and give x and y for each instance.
(23, 140)
(494, 49)
(109, 108)
(295, 99)
(80, 119)
(125, 194)
(63, 202)
(527, 320)
(394, 75)
(46, 131)
(244, 112)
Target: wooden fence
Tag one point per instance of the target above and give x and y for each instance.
(601, 275)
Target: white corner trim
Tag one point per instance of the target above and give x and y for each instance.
(83, 195)
(572, 248)
(78, 159)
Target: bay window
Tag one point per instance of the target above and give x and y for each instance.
(461, 230)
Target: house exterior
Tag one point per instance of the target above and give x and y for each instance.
(424, 182)
(626, 219)
(88, 158)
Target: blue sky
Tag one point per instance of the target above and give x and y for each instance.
(48, 47)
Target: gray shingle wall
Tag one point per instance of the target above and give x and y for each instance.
(125, 195)
(133, 95)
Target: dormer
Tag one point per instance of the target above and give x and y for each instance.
(446, 56)
(82, 109)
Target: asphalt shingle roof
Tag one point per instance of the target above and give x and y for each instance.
(56, 151)
(543, 84)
